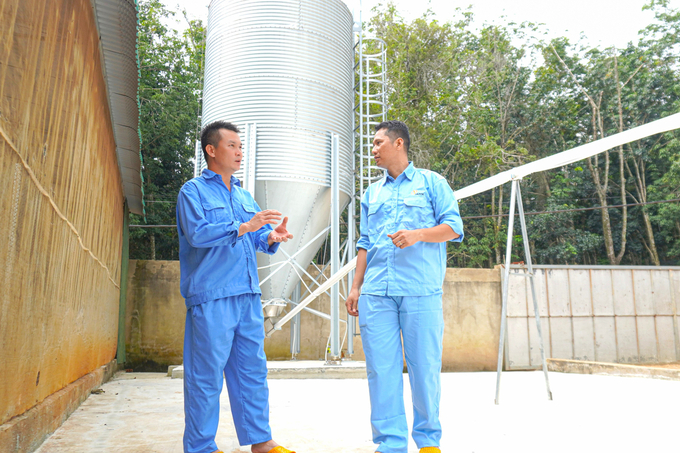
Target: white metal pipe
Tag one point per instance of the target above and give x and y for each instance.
(530, 267)
(335, 246)
(506, 280)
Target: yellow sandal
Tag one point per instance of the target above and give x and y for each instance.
(430, 450)
(280, 449)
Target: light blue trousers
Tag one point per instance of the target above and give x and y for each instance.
(225, 337)
(384, 320)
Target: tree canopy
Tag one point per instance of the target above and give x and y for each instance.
(477, 102)
(171, 71)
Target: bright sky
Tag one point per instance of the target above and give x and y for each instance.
(604, 22)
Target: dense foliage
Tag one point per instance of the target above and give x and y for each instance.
(481, 102)
(478, 102)
(171, 70)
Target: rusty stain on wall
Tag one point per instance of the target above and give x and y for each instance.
(59, 309)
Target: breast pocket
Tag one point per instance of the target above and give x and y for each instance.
(217, 211)
(249, 211)
(418, 212)
(376, 220)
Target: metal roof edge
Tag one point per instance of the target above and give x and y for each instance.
(117, 23)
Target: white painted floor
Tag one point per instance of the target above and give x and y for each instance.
(143, 412)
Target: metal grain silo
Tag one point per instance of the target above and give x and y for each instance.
(283, 71)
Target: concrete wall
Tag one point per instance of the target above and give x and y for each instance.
(156, 312)
(619, 314)
(58, 304)
(472, 317)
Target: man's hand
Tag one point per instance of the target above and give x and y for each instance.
(268, 216)
(280, 234)
(352, 302)
(404, 238)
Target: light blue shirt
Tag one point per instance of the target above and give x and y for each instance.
(416, 199)
(214, 261)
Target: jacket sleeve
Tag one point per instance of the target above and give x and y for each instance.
(364, 242)
(446, 208)
(262, 237)
(192, 223)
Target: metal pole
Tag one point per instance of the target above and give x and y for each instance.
(527, 256)
(295, 326)
(351, 320)
(504, 309)
(361, 109)
(250, 158)
(198, 166)
(335, 249)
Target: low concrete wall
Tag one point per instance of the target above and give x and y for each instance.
(154, 319)
(156, 312)
(472, 318)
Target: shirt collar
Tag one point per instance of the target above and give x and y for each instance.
(209, 174)
(408, 173)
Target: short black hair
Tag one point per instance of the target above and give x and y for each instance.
(395, 130)
(210, 135)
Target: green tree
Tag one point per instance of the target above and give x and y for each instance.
(481, 102)
(171, 70)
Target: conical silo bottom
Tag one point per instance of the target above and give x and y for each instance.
(308, 208)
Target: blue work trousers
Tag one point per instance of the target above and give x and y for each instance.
(225, 337)
(384, 320)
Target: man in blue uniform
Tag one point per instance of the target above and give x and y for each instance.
(406, 219)
(220, 228)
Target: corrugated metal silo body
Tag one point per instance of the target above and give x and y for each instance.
(285, 66)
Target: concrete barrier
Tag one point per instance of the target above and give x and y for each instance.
(156, 311)
(614, 369)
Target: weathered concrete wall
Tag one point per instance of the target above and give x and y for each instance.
(155, 316)
(58, 305)
(472, 318)
(156, 312)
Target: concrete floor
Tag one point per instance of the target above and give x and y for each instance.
(142, 412)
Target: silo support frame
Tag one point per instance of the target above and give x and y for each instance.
(295, 327)
(325, 286)
(282, 264)
(335, 250)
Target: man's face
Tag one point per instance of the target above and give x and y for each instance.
(385, 151)
(227, 155)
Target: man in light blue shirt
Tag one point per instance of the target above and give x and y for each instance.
(406, 219)
(220, 228)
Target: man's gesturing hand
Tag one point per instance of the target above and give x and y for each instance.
(404, 238)
(280, 234)
(352, 302)
(268, 216)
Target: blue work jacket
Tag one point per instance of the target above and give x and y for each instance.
(416, 199)
(214, 261)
